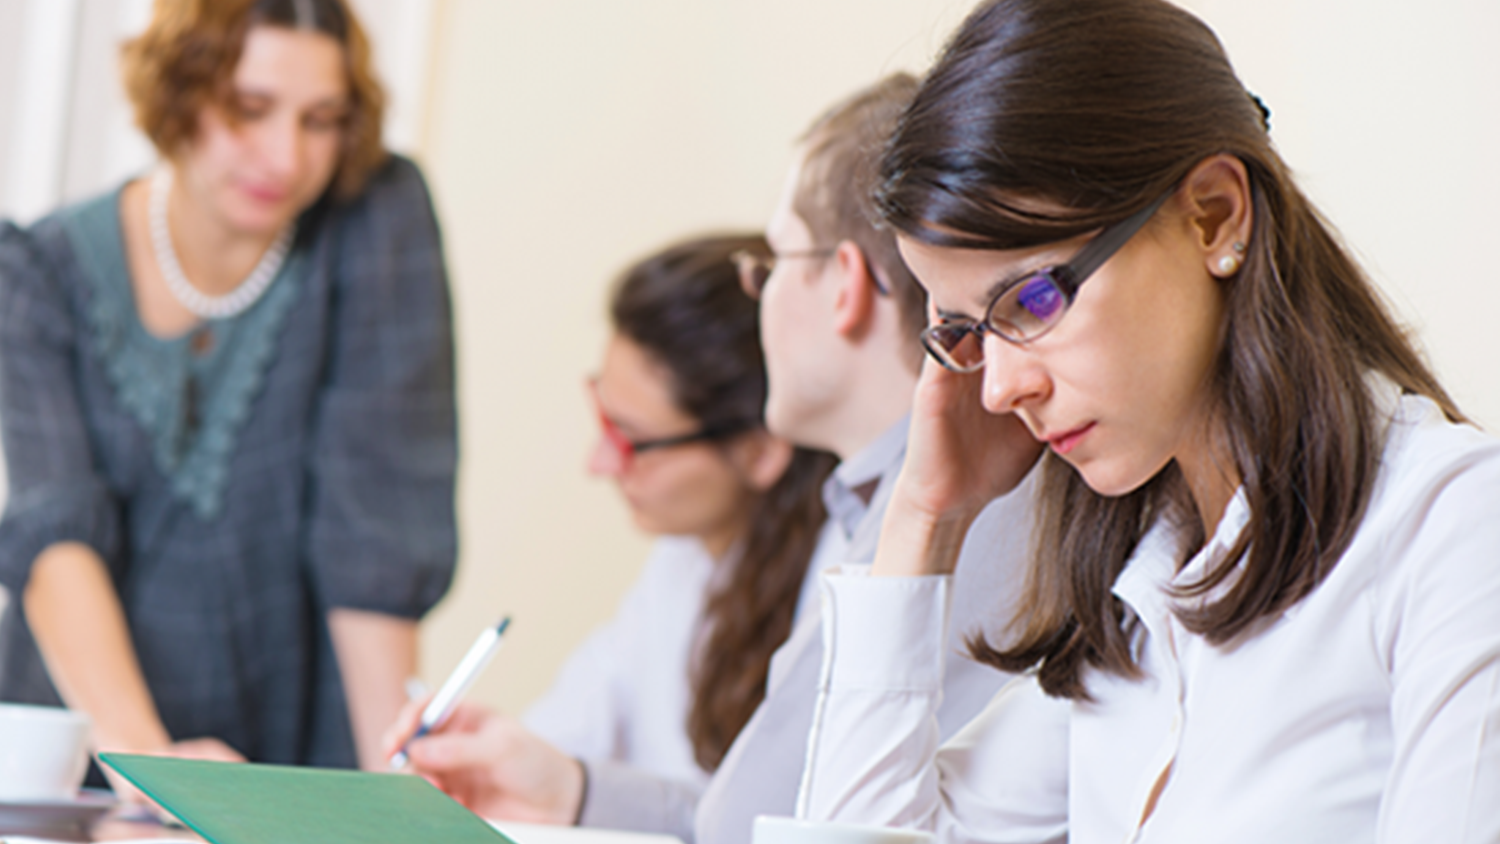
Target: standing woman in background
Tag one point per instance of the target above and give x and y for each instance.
(645, 709)
(228, 407)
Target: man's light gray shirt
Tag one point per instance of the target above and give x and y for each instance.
(761, 772)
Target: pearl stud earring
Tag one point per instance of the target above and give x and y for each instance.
(1230, 264)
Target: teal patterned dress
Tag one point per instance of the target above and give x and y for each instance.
(242, 480)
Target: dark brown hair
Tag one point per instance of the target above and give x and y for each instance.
(1100, 107)
(835, 190)
(185, 62)
(685, 307)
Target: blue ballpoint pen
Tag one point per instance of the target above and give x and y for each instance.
(453, 689)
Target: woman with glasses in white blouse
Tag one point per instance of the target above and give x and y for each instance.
(1266, 581)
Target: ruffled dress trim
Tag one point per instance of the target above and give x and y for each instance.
(191, 406)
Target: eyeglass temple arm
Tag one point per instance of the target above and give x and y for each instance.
(1100, 249)
(710, 433)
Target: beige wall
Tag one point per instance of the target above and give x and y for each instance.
(566, 138)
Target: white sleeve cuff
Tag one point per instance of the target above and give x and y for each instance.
(884, 632)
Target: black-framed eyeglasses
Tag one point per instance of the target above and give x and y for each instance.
(1029, 306)
(626, 448)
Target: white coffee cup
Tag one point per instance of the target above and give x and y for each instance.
(44, 752)
(774, 830)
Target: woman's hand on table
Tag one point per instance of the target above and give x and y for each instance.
(959, 457)
(492, 764)
(205, 749)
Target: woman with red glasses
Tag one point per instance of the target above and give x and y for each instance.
(644, 711)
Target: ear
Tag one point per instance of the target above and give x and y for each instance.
(1217, 193)
(855, 305)
(762, 458)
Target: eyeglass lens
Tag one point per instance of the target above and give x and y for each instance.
(954, 344)
(1024, 310)
(755, 271)
(1028, 307)
(620, 444)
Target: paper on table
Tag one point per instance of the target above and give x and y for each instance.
(243, 803)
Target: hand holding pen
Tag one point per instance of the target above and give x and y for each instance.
(457, 684)
(485, 760)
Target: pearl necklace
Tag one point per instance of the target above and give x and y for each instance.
(201, 304)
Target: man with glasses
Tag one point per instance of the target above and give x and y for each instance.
(841, 322)
(841, 318)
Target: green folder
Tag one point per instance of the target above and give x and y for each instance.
(229, 803)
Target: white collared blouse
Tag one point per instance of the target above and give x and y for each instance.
(1367, 712)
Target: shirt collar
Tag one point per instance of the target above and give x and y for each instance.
(1231, 524)
(1149, 577)
(861, 480)
(1146, 583)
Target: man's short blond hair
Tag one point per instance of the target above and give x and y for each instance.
(834, 194)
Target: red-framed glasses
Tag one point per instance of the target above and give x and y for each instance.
(626, 448)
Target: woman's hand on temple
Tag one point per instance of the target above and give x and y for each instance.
(492, 764)
(959, 457)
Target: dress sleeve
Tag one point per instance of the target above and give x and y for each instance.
(382, 533)
(53, 492)
(873, 754)
(1443, 621)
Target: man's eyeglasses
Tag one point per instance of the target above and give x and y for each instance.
(755, 268)
(1031, 305)
(626, 449)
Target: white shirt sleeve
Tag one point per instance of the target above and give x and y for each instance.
(623, 797)
(623, 695)
(1443, 636)
(584, 711)
(873, 754)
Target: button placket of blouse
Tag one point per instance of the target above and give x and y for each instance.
(1181, 652)
(1154, 784)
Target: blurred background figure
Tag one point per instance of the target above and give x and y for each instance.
(652, 700)
(228, 408)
